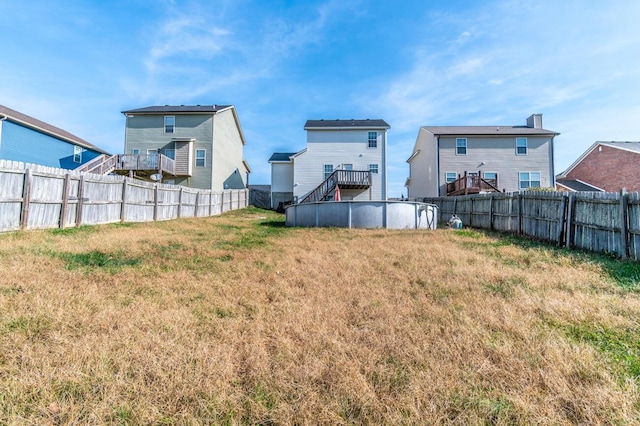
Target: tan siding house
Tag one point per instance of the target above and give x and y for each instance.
(512, 158)
(205, 141)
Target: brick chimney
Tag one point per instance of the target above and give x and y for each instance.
(535, 121)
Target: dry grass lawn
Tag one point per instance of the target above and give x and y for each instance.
(239, 320)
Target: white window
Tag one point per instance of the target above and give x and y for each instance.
(521, 146)
(461, 146)
(169, 123)
(77, 154)
(373, 168)
(201, 155)
(490, 176)
(450, 176)
(529, 180)
(348, 166)
(373, 139)
(170, 153)
(135, 151)
(328, 169)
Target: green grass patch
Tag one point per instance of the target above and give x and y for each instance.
(505, 287)
(11, 290)
(30, 326)
(621, 346)
(111, 262)
(81, 230)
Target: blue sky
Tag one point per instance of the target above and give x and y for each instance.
(78, 64)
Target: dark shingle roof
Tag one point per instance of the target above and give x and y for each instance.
(343, 124)
(177, 109)
(281, 156)
(578, 185)
(487, 130)
(34, 123)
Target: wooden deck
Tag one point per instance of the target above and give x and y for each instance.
(144, 165)
(466, 184)
(345, 179)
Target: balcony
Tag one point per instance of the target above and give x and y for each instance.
(144, 165)
(469, 184)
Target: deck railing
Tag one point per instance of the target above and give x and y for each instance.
(158, 162)
(343, 178)
(101, 165)
(471, 185)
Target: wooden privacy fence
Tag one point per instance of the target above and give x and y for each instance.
(37, 197)
(595, 221)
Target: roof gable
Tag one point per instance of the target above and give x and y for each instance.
(278, 157)
(627, 146)
(47, 128)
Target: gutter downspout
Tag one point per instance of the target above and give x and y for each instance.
(1, 120)
(438, 166)
(551, 164)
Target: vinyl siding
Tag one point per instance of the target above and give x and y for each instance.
(498, 155)
(282, 177)
(228, 168)
(423, 168)
(338, 148)
(146, 131)
(21, 143)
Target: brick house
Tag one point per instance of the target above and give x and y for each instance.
(605, 166)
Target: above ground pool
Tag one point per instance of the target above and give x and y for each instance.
(363, 214)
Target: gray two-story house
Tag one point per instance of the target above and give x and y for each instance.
(455, 160)
(199, 146)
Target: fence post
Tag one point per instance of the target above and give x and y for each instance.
(65, 201)
(624, 223)
(562, 231)
(520, 212)
(470, 199)
(491, 211)
(180, 202)
(210, 203)
(569, 221)
(123, 206)
(195, 209)
(26, 199)
(80, 201)
(155, 202)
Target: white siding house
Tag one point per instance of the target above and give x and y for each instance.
(511, 158)
(332, 145)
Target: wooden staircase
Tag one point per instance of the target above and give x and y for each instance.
(346, 179)
(101, 165)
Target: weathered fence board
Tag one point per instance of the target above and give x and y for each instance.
(37, 197)
(595, 221)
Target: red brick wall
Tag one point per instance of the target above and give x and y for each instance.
(610, 169)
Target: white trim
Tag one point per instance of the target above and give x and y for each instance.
(79, 154)
(413, 156)
(526, 146)
(587, 152)
(173, 126)
(204, 159)
(529, 172)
